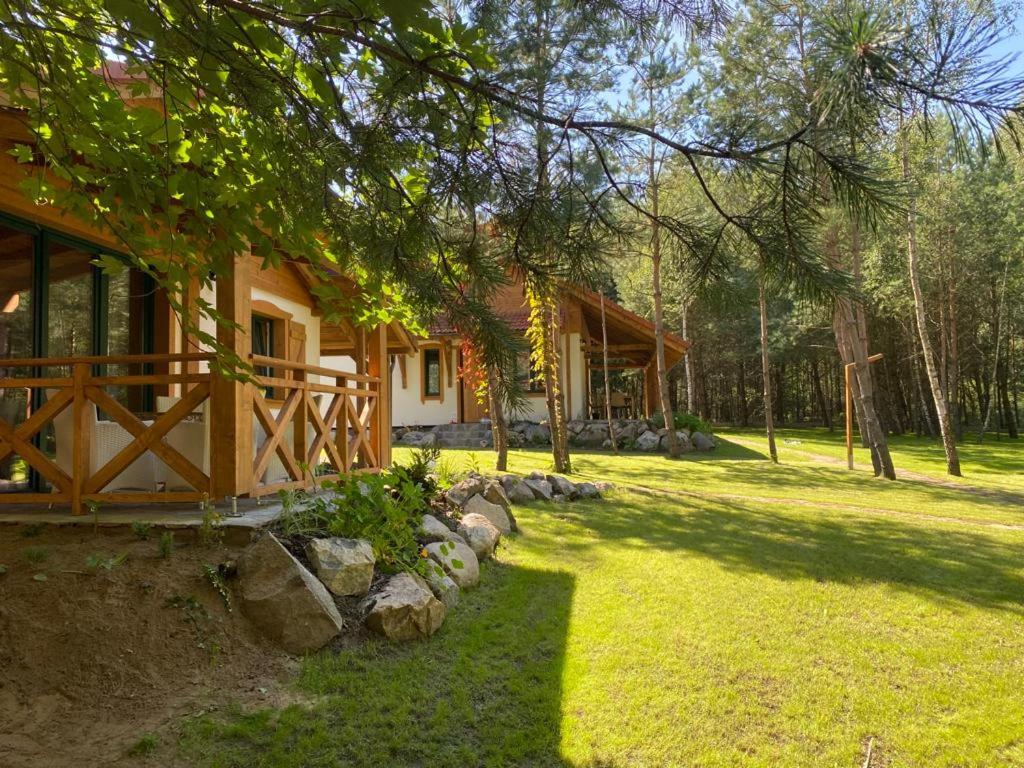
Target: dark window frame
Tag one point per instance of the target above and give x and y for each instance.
(431, 356)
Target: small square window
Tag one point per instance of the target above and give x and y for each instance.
(432, 372)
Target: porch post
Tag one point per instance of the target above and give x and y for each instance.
(231, 430)
(377, 365)
(650, 388)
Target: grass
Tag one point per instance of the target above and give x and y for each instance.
(713, 612)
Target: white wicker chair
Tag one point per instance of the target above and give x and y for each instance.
(106, 440)
(189, 438)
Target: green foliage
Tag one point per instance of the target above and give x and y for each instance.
(684, 420)
(196, 616)
(211, 532)
(165, 547)
(215, 576)
(385, 509)
(36, 555)
(32, 530)
(141, 529)
(106, 562)
(145, 746)
(422, 466)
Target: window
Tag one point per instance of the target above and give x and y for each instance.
(263, 344)
(432, 373)
(530, 379)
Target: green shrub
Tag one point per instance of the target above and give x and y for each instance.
(684, 420)
(422, 467)
(384, 509)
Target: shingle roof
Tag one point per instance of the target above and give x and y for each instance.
(518, 320)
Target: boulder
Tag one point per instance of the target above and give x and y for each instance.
(432, 529)
(541, 489)
(508, 482)
(521, 493)
(628, 431)
(685, 446)
(536, 434)
(494, 492)
(461, 492)
(404, 609)
(536, 475)
(411, 437)
(442, 585)
(593, 435)
(497, 516)
(588, 491)
(702, 442)
(345, 566)
(480, 533)
(603, 486)
(458, 561)
(563, 486)
(283, 599)
(648, 441)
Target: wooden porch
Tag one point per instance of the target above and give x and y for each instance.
(214, 436)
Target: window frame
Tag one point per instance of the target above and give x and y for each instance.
(434, 352)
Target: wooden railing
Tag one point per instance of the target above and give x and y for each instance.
(100, 451)
(294, 443)
(298, 434)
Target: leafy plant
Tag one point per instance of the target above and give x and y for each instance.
(97, 560)
(146, 745)
(36, 555)
(215, 576)
(447, 474)
(94, 510)
(210, 531)
(32, 530)
(165, 547)
(384, 509)
(196, 615)
(685, 420)
(141, 529)
(421, 466)
(473, 462)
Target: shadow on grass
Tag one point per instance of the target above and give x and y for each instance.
(484, 691)
(936, 563)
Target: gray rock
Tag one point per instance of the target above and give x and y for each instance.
(404, 609)
(702, 442)
(283, 599)
(536, 434)
(648, 441)
(345, 566)
(412, 437)
(497, 516)
(458, 560)
(521, 493)
(536, 475)
(563, 486)
(603, 486)
(494, 492)
(432, 529)
(442, 585)
(588, 491)
(508, 482)
(461, 492)
(541, 488)
(593, 435)
(480, 533)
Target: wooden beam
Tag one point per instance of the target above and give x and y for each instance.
(231, 415)
(380, 419)
(402, 363)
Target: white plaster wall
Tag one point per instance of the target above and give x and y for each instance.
(573, 391)
(406, 407)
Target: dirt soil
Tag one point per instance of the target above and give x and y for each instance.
(92, 659)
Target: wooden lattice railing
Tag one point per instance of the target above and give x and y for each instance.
(294, 442)
(100, 451)
(298, 434)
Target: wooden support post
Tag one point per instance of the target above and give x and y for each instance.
(650, 389)
(299, 428)
(377, 365)
(231, 428)
(80, 463)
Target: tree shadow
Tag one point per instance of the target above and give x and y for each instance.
(941, 564)
(474, 694)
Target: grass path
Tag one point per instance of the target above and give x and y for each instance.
(715, 611)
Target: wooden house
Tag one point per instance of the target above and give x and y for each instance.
(428, 388)
(104, 399)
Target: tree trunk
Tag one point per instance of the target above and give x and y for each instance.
(954, 361)
(819, 394)
(938, 394)
(769, 425)
(741, 392)
(607, 383)
(688, 361)
(499, 425)
(993, 384)
(671, 440)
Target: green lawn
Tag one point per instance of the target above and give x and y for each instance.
(712, 612)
